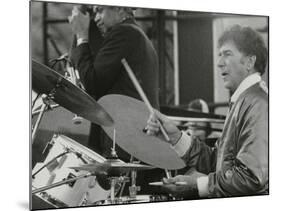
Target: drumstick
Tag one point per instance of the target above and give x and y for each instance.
(143, 96)
(145, 100)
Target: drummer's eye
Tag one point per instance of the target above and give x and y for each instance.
(144, 130)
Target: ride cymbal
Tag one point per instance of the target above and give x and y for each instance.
(130, 117)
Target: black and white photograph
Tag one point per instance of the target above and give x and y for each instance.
(137, 105)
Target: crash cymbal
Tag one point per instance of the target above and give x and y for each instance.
(130, 117)
(112, 166)
(71, 97)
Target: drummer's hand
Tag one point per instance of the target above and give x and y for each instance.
(153, 127)
(79, 23)
(181, 186)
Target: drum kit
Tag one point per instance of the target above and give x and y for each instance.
(72, 174)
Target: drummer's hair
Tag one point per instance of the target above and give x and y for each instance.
(249, 42)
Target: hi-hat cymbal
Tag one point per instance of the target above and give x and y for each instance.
(71, 97)
(130, 117)
(161, 184)
(112, 166)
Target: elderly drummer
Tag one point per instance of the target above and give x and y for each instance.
(238, 165)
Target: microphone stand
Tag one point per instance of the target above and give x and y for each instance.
(46, 104)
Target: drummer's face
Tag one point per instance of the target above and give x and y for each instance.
(106, 17)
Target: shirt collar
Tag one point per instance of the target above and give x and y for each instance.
(245, 84)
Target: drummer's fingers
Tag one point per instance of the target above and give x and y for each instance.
(152, 118)
(153, 123)
(160, 116)
(151, 130)
(169, 180)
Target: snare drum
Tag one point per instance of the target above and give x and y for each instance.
(65, 153)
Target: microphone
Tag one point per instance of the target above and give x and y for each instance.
(73, 76)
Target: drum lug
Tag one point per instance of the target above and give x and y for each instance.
(85, 199)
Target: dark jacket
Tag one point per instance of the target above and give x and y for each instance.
(239, 164)
(102, 73)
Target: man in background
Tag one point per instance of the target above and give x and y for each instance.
(101, 70)
(200, 130)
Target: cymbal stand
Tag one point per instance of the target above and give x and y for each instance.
(66, 181)
(113, 151)
(46, 104)
(133, 189)
(113, 182)
(37, 111)
(127, 174)
(73, 77)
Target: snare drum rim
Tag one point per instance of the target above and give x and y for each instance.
(68, 142)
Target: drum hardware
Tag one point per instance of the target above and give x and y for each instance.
(66, 151)
(127, 174)
(34, 101)
(75, 79)
(48, 163)
(78, 154)
(47, 148)
(50, 107)
(46, 105)
(113, 182)
(78, 192)
(66, 181)
(72, 75)
(113, 152)
(133, 189)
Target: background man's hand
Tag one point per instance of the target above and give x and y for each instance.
(79, 23)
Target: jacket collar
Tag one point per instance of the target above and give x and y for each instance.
(245, 84)
(130, 20)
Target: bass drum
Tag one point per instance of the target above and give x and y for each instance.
(63, 153)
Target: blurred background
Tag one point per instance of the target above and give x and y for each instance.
(186, 42)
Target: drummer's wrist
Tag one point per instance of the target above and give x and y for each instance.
(81, 41)
(183, 144)
(176, 138)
